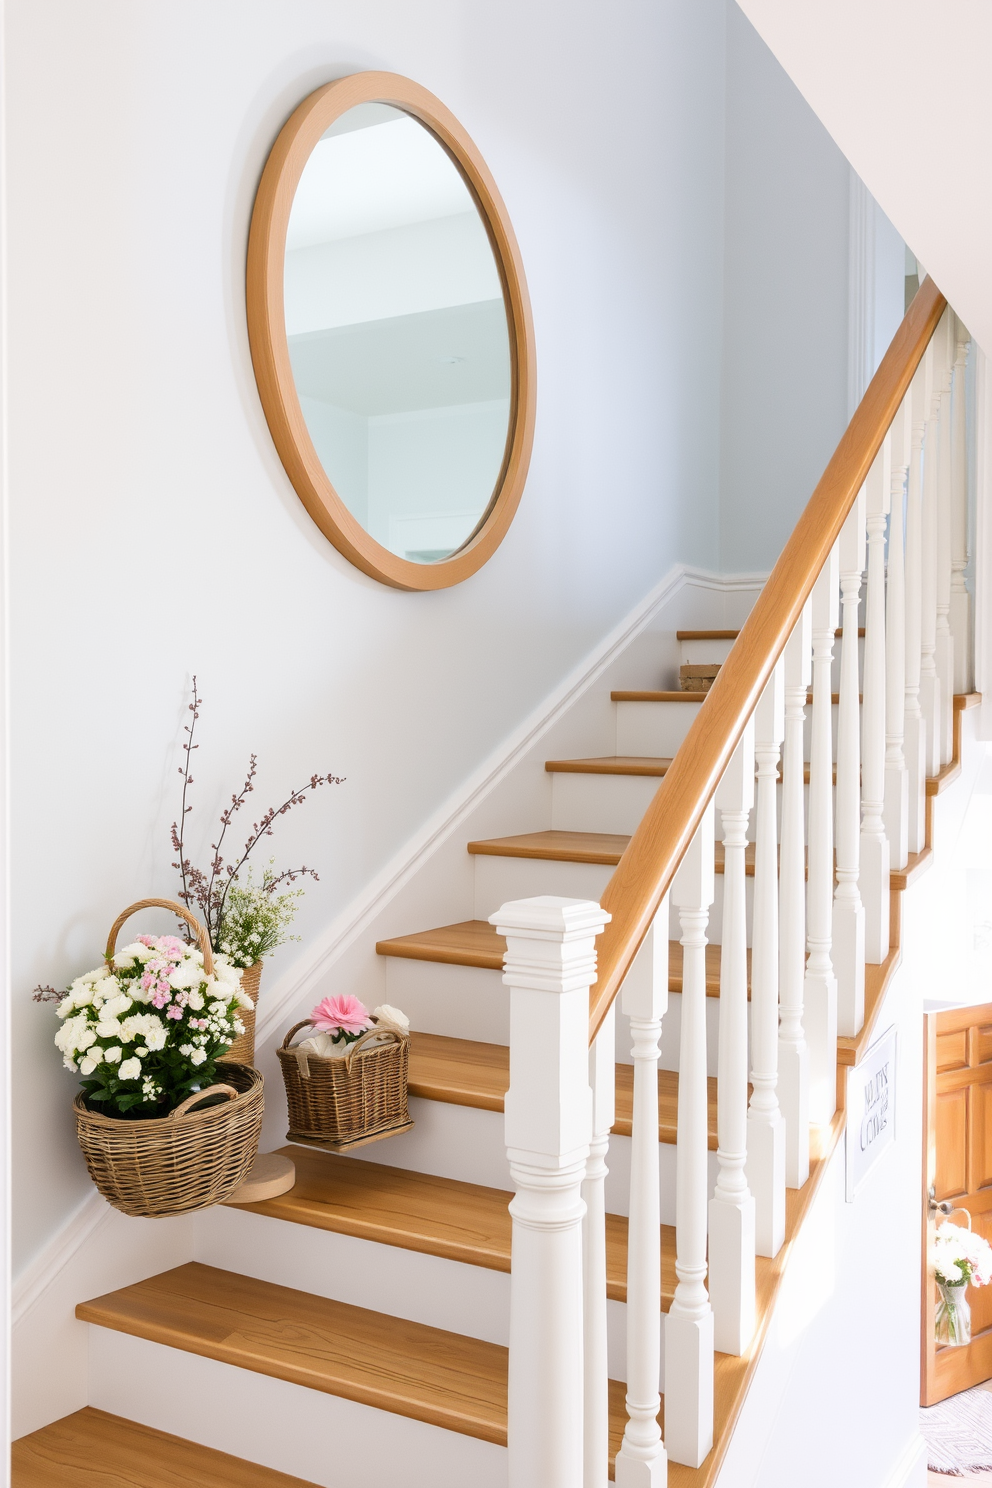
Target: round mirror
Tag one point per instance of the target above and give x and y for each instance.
(390, 331)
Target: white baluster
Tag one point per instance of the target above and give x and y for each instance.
(549, 966)
(929, 679)
(849, 915)
(732, 1207)
(874, 879)
(960, 598)
(602, 1082)
(820, 988)
(896, 812)
(765, 1169)
(641, 1461)
(914, 742)
(689, 1324)
(793, 1051)
(944, 655)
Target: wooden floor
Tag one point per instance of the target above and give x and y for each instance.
(94, 1450)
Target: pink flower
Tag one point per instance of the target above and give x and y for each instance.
(340, 1014)
(174, 1012)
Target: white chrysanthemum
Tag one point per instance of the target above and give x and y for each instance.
(186, 974)
(185, 1050)
(96, 975)
(70, 1064)
(116, 1005)
(107, 987)
(391, 1017)
(81, 992)
(112, 1054)
(111, 1028)
(197, 1056)
(87, 1065)
(66, 1006)
(243, 1000)
(218, 1009)
(74, 1034)
(131, 1069)
(156, 1037)
(195, 1001)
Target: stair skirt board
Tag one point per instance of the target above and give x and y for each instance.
(324, 1439)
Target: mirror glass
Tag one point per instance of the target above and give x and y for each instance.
(397, 332)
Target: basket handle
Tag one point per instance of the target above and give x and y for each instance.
(294, 1031)
(199, 1095)
(202, 939)
(374, 1032)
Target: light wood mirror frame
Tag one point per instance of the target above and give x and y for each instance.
(270, 347)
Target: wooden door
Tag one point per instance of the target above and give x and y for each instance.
(958, 1170)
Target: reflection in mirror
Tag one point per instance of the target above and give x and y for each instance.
(398, 332)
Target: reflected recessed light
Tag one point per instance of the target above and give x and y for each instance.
(449, 361)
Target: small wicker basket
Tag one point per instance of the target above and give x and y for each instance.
(343, 1103)
(242, 1051)
(184, 1161)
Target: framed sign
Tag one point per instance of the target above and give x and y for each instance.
(871, 1111)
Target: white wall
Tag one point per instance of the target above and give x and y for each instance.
(153, 532)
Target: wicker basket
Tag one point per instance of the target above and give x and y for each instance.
(242, 1051)
(343, 1103)
(184, 1161)
(698, 676)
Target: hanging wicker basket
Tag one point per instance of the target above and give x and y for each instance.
(345, 1102)
(242, 1051)
(189, 1159)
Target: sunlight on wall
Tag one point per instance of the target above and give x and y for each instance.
(811, 1276)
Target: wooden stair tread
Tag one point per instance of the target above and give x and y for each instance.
(92, 1449)
(476, 943)
(461, 1072)
(407, 1368)
(605, 848)
(422, 1212)
(655, 695)
(610, 764)
(706, 635)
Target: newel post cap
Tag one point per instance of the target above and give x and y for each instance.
(548, 917)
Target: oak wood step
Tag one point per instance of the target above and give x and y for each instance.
(731, 635)
(602, 848)
(409, 1369)
(610, 764)
(92, 1449)
(462, 1072)
(476, 943)
(435, 1216)
(662, 695)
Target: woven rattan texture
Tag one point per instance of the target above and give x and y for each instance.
(174, 1165)
(341, 1099)
(242, 1051)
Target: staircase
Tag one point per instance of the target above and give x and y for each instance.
(358, 1329)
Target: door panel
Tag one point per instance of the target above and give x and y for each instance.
(958, 1167)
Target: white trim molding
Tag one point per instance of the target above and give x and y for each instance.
(910, 1470)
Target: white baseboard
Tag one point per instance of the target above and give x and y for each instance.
(303, 975)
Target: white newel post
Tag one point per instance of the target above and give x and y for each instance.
(765, 1170)
(689, 1324)
(945, 640)
(896, 813)
(914, 742)
(820, 988)
(929, 678)
(874, 843)
(549, 966)
(960, 598)
(641, 1461)
(731, 1218)
(849, 915)
(602, 1082)
(793, 1051)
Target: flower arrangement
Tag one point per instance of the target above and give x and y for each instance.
(146, 1034)
(244, 920)
(959, 1259)
(341, 1021)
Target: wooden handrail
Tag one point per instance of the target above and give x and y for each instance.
(645, 872)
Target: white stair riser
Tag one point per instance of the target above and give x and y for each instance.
(454, 1295)
(600, 803)
(498, 880)
(466, 1002)
(701, 652)
(321, 1438)
(655, 729)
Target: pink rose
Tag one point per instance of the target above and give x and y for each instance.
(340, 1014)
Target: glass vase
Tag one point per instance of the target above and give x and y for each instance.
(953, 1320)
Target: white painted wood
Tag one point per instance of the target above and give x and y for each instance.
(731, 1210)
(456, 1001)
(849, 915)
(704, 651)
(874, 876)
(765, 1169)
(930, 700)
(914, 743)
(653, 728)
(689, 1323)
(499, 880)
(549, 965)
(960, 615)
(896, 810)
(600, 803)
(820, 985)
(793, 1051)
(642, 1461)
(602, 1083)
(320, 1438)
(944, 655)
